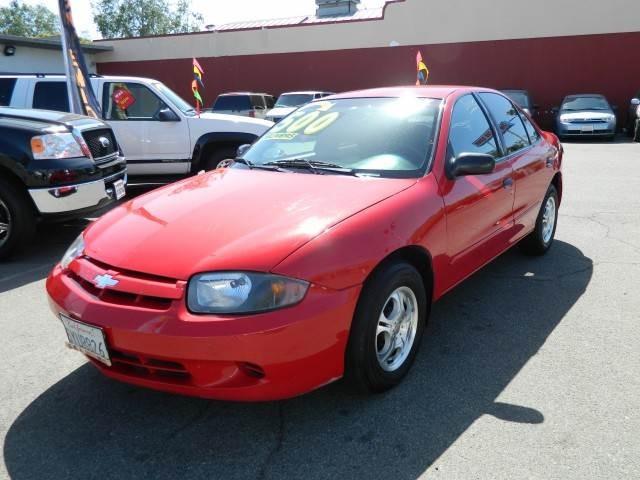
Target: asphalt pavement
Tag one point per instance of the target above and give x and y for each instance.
(529, 370)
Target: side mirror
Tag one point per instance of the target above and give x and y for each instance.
(242, 149)
(635, 102)
(471, 164)
(167, 115)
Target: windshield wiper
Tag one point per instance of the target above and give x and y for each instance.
(251, 165)
(314, 166)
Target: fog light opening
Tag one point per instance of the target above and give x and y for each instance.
(251, 370)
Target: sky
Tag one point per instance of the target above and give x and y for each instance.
(214, 11)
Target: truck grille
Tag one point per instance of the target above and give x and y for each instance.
(102, 143)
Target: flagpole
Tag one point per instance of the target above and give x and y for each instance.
(74, 105)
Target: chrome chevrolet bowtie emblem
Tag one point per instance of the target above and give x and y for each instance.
(104, 142)
(104, 281)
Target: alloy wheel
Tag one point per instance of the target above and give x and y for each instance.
(396, 329)
(548, 220)
(5, 223)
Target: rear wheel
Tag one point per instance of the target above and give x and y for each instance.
(213, 159)
(540, 240)
(387, 328)
(17, 220)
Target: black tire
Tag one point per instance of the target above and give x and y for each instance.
(17, 212)
(534, 244)
(363, 370)
(213, 159)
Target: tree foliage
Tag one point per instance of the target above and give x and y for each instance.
(27, 21)
(135, 18)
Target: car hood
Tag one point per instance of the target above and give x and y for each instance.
(281, 111)
(219, 122)
(229, 219)
(587, 115)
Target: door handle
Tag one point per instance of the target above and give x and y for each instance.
(507, 183)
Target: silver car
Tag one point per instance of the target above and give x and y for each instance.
(588, 115)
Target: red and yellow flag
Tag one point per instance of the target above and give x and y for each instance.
(423, 71)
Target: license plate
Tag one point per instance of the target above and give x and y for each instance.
(587, 129)
(86, 339)
(119, 188)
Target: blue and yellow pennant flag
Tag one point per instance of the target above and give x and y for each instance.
(423, 71)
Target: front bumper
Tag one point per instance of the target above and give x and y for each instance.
(81, 197)
(157, 343)
(586, 130)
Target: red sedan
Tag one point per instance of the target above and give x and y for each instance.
(317, 253)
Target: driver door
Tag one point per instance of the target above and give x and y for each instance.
(132, 111)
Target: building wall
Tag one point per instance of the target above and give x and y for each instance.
(550, 47)
(38, 60)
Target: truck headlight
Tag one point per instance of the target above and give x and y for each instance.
(75, 250)
(242, 292)
(55, 146)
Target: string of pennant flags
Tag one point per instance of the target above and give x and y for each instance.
(196, 84)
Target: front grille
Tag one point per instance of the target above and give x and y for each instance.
(102, 143)
(588, 120)
(132, 289)
(146, 367)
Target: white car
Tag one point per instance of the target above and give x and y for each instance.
(245, 104)
(289, 102)
(158, 132)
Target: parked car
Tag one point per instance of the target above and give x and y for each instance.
(585, 116)
(523, 99)
(246, 104)
(330, 237)
(158, 131)
(290, 101)
(53, 166)
(633, 118)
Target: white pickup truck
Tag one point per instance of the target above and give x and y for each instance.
(158, 132)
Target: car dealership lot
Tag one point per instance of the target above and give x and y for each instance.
(528, 370)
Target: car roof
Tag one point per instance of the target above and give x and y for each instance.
(229, 94)
(305, 92)
(60, 76)
(435, 91)
(580, 95)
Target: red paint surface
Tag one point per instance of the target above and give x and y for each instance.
(548, 67)
(331, 231)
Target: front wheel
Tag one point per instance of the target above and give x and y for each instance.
(17, 220)
(387, 328)
(213, 159)
(540, 240)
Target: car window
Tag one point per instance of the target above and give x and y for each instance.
(6, 90)
(294, 99)
(257, 101)
(271, 102)
(235, 103)
(534, 135)
(585, 103)
(51, 96)
(130, 101)
(470, 131)
(521, 98)
(508, 120)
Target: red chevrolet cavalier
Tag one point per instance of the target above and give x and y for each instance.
(317, 253)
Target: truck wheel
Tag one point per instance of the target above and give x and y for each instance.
(17, 219)
(387, 328)
(540, 240)
(213, 159)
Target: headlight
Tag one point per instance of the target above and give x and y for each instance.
(243, 292)
(54, 146)
(564, 118)
(74, 251)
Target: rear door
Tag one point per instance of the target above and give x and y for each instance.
(150, 146)
(532, 171)
(479, 208)
(50, 95)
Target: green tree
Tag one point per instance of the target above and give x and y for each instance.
(27, 21)
(136, 18)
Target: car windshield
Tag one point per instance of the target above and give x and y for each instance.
(521, 98)
(175, 99)
(573, 104)
(377, 136)
(234, 103)
(293, 100)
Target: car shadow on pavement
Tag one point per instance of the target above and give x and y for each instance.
(480, 336)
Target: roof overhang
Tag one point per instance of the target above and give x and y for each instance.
(49, 44)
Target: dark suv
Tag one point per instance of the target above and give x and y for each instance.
(53, 166)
